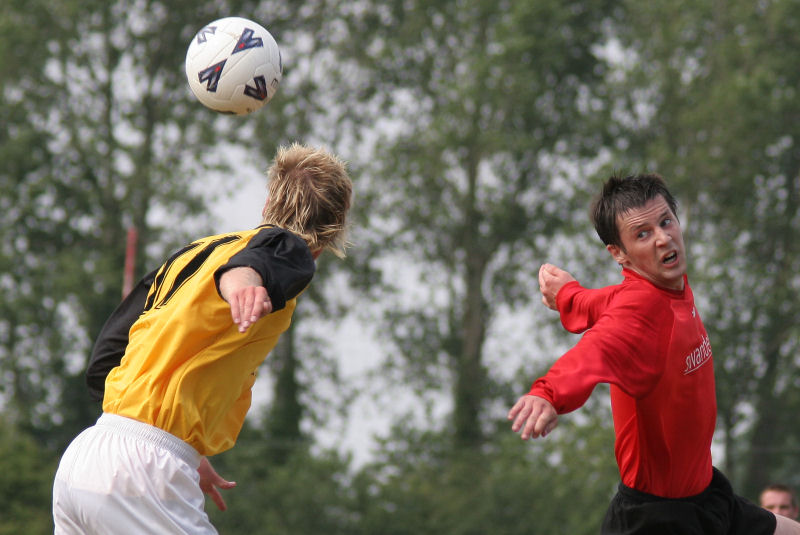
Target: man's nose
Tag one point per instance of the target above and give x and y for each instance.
(662, 236)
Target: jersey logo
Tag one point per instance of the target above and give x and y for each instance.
(699, 356)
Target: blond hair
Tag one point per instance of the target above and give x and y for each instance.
(309, 194)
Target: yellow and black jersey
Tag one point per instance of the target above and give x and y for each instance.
(184, 366)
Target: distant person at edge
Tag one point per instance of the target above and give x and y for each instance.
(644, 337)
(780, 499)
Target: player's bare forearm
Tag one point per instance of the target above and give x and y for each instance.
(551, 279)
(534, 416)
(244, 291)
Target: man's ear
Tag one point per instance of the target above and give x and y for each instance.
(617, 253)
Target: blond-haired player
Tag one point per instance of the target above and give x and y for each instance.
(175, 363)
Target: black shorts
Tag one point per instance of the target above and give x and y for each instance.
(715, 511)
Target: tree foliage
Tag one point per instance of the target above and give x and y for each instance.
(491, 94)
(26, 485)
(294, 493)
(558, 486)
(475, 131)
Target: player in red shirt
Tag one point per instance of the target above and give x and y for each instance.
(645, 338)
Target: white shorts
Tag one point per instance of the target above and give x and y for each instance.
(121, 476)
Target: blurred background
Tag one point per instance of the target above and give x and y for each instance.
(476, 133)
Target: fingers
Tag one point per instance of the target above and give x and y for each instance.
(521, 412)
(218, 499)
(243, 289)
(248, 305)
(261, 306)
(532, 426)
(215, 494)
(550, 426)
(236, 315)
(548, 273)
(518, 406)
(545, 285)
(534, 416)
(539, 424)
(211, 481)
(551, 280)
(545, 276)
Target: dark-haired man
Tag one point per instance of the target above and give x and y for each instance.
(645, 338)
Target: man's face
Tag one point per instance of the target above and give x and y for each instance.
(778, 502)
(652, 244)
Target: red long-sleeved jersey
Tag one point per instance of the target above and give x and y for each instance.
(650, 345)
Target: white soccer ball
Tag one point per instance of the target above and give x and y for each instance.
(234, 66)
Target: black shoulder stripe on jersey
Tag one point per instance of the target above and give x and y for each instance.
(191, 268)
(159, 280)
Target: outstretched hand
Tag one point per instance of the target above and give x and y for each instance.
(533, 415)
(210, 480)
(551, 279)
(244, 291)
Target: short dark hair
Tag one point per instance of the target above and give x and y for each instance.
(621, 194)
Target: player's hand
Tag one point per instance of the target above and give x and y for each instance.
(244, 291)
(210, 480)
(535, 416)
(551, 279)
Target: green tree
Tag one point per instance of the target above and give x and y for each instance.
(26, 486)
(302, 493)
(490, 98)
(307, 390)
(560, 485)
(29, 271)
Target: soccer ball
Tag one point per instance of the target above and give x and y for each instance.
(234, 66)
